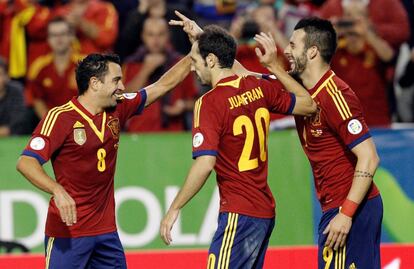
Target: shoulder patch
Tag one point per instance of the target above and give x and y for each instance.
(354, 126)
(37, 143)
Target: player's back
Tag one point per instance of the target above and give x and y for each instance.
(233, 120)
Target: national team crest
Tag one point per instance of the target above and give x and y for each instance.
(113, 125)
(79, 135)
(316, 118)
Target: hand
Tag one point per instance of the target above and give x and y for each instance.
(176, 109)
(167, 224)
(269, 58)
(153, 60)
(76, 13)
(189, 26)
(337, 230)
(65, 204)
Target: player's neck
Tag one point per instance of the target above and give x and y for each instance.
(89, 104)
(219, 74)
(312, 74)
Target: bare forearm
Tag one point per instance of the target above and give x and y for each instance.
(138, 81)
(31, 169)
(381, 47)
(169, 80)
(194, 182)
(89, 29)
(40, 108)
(363, 177)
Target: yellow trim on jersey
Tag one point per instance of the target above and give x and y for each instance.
(197, 108)
(49, 250)
(232, 83)
(341, 97)
(227, 242)
(38, 65)
(322, 86)
(51, 117)
(339, 101)
(99, 134)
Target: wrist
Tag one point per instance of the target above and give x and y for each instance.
(348, 208)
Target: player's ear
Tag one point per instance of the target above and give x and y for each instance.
(94, 83)
(312, 52)
(211, 60)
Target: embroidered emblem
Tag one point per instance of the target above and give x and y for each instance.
(113, 125)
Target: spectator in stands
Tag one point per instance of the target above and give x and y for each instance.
(245, 26)
(362, 59)
(147, 65)
(12, 109)
(386, 17)
(51, 80)
(95, 21)
(130, 37)
(23, 28)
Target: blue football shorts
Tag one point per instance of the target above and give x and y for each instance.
(239, 242)
(101, 251)
(362, 248)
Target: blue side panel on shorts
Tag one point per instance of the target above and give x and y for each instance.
(240, 241)
(362, 248)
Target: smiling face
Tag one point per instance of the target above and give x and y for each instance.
(296, 53)
(199, 65)
(111, 86)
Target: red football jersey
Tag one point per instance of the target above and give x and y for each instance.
(83, 149)
(328, 137)
(44, 81)
(232, 122)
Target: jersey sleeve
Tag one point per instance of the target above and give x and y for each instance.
(344, 115)
(49, 135)
(280, 100)
(131, 104)
(207, 128)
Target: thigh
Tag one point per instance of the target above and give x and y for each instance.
(68, 253)
(239, 241)
(362, 248)
(108, 253)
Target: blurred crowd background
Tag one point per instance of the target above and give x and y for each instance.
(41, 42)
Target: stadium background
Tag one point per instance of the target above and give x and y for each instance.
(150, 170)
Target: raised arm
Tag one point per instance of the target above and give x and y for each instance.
(193, 30)
(304, 102)
(169, 80)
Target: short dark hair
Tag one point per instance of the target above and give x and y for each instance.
(219, 42)
(60, 19)
(93, 65)
(319, 33)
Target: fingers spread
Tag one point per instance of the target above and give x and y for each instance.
(174, 22)
(181, 16)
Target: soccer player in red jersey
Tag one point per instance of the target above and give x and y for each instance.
(230, 130)
(341, 152)
(81, 138)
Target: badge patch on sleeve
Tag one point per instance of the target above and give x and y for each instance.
(37, 143)
(130, 95)
(354, 126)
(198, 139)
